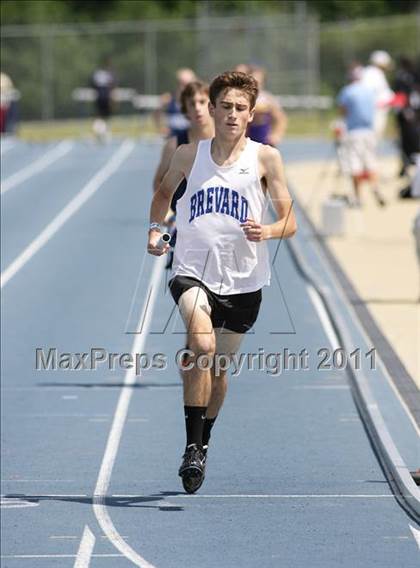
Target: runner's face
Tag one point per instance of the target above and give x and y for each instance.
(232, 113)
(198, 109)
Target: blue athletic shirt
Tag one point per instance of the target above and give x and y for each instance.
(177, 122)
(359, 102)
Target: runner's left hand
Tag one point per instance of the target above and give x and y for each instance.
(255, 231)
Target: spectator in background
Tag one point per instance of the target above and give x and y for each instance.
(415, 192)
(374, 78)
(407, 105)
(104, 82)
(357, 103)
(269, 123)
(242, 68)
(176, 122)
(7, 102)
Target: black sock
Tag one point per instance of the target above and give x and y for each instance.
(208, 425)
(194, 421)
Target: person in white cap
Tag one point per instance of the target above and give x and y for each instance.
(375, 79)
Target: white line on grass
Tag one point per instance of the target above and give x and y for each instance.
(37, 166)
(68, 211)
(120, 417)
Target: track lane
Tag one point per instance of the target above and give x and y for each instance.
(25, 212)
(315, 444)
(82, 302)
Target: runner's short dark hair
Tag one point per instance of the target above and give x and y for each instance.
(234, 80)
(190, 91)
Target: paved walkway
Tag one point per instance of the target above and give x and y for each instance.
(376, 252)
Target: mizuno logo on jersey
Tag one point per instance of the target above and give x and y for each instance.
(218, 200)
(244, 170)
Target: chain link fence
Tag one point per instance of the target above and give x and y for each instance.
(46, 63)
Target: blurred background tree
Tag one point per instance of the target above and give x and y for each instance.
(305, 45)
(64, 11)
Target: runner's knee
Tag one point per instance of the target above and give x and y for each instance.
(202, 343)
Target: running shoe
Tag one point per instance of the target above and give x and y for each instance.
(192, 469)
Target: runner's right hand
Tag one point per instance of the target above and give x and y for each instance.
(154, 247)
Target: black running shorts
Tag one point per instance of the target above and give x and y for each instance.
(236, 312)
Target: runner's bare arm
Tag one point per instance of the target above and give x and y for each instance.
(178, 169)
(271, 168)
(165, 161)
(158, 114)
(279, 123)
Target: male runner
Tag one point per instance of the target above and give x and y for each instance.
(221, 260)
(270, 121)
(195, 106)
(169, 105)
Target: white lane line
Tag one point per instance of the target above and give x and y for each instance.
(62, 387)
(323, 316)
(51, 415)
(26, 556)
(416, 534)
(73, 537)
(40, 480)
(85, 551)
(362, 331)
(41, 495)
(321, 387)
(37, 166)
(268, 496)
(5, 147)
(120, 417)
(16, 503)
(398, 466)
(68, 211)
(297, 496)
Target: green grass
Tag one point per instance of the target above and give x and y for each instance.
(300, 124)
(44, 131)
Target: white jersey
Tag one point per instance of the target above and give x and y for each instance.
(375, 79)
(211, 244)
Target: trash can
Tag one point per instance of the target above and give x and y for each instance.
(333, 217)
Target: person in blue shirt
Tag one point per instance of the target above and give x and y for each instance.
(357, 103)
